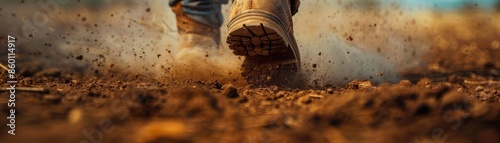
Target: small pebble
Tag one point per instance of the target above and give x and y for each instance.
(75, 115)
(230, 91)
(479, 88)
(424, 82)
(329, 91)
(365, 85)
(405, 83)
(305, 100)
(451, 99)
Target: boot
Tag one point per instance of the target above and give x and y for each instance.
(198, 26)
(262, 31)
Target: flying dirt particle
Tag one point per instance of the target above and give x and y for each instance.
(148, 9)
(350, 38)
(159, 55)
(230, 91)
(79, 57)
(84, 19)
(319, 54)
(314, 65)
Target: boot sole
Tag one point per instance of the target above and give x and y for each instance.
(271, 53)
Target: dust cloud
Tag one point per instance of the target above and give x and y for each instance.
(383, 41)
(339, 41)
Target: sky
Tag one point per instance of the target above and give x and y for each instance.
(446, 4)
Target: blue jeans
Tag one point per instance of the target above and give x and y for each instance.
(204, 11)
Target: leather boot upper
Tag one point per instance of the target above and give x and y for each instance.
(283, 9)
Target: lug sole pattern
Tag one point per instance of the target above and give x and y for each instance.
(268, 55)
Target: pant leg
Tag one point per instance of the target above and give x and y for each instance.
(204, 11)
(295, 6)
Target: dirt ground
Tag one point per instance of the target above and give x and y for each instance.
(454, 98)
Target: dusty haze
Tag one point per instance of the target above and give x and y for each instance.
(339, 41)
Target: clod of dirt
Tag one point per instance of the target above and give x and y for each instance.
(230, 91)
(405, 83)
(163, 131)
(479, 88)
(484, 96)
(451, 99)
(356, 84)
(53, 99)
(75, 115)
(480, 110)
(365, 85)
(424, 82)
(329, 91)
(305, 100)
(422, 109)
(190, 103)
(94, 92)
(142, 102)
(243, 100)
